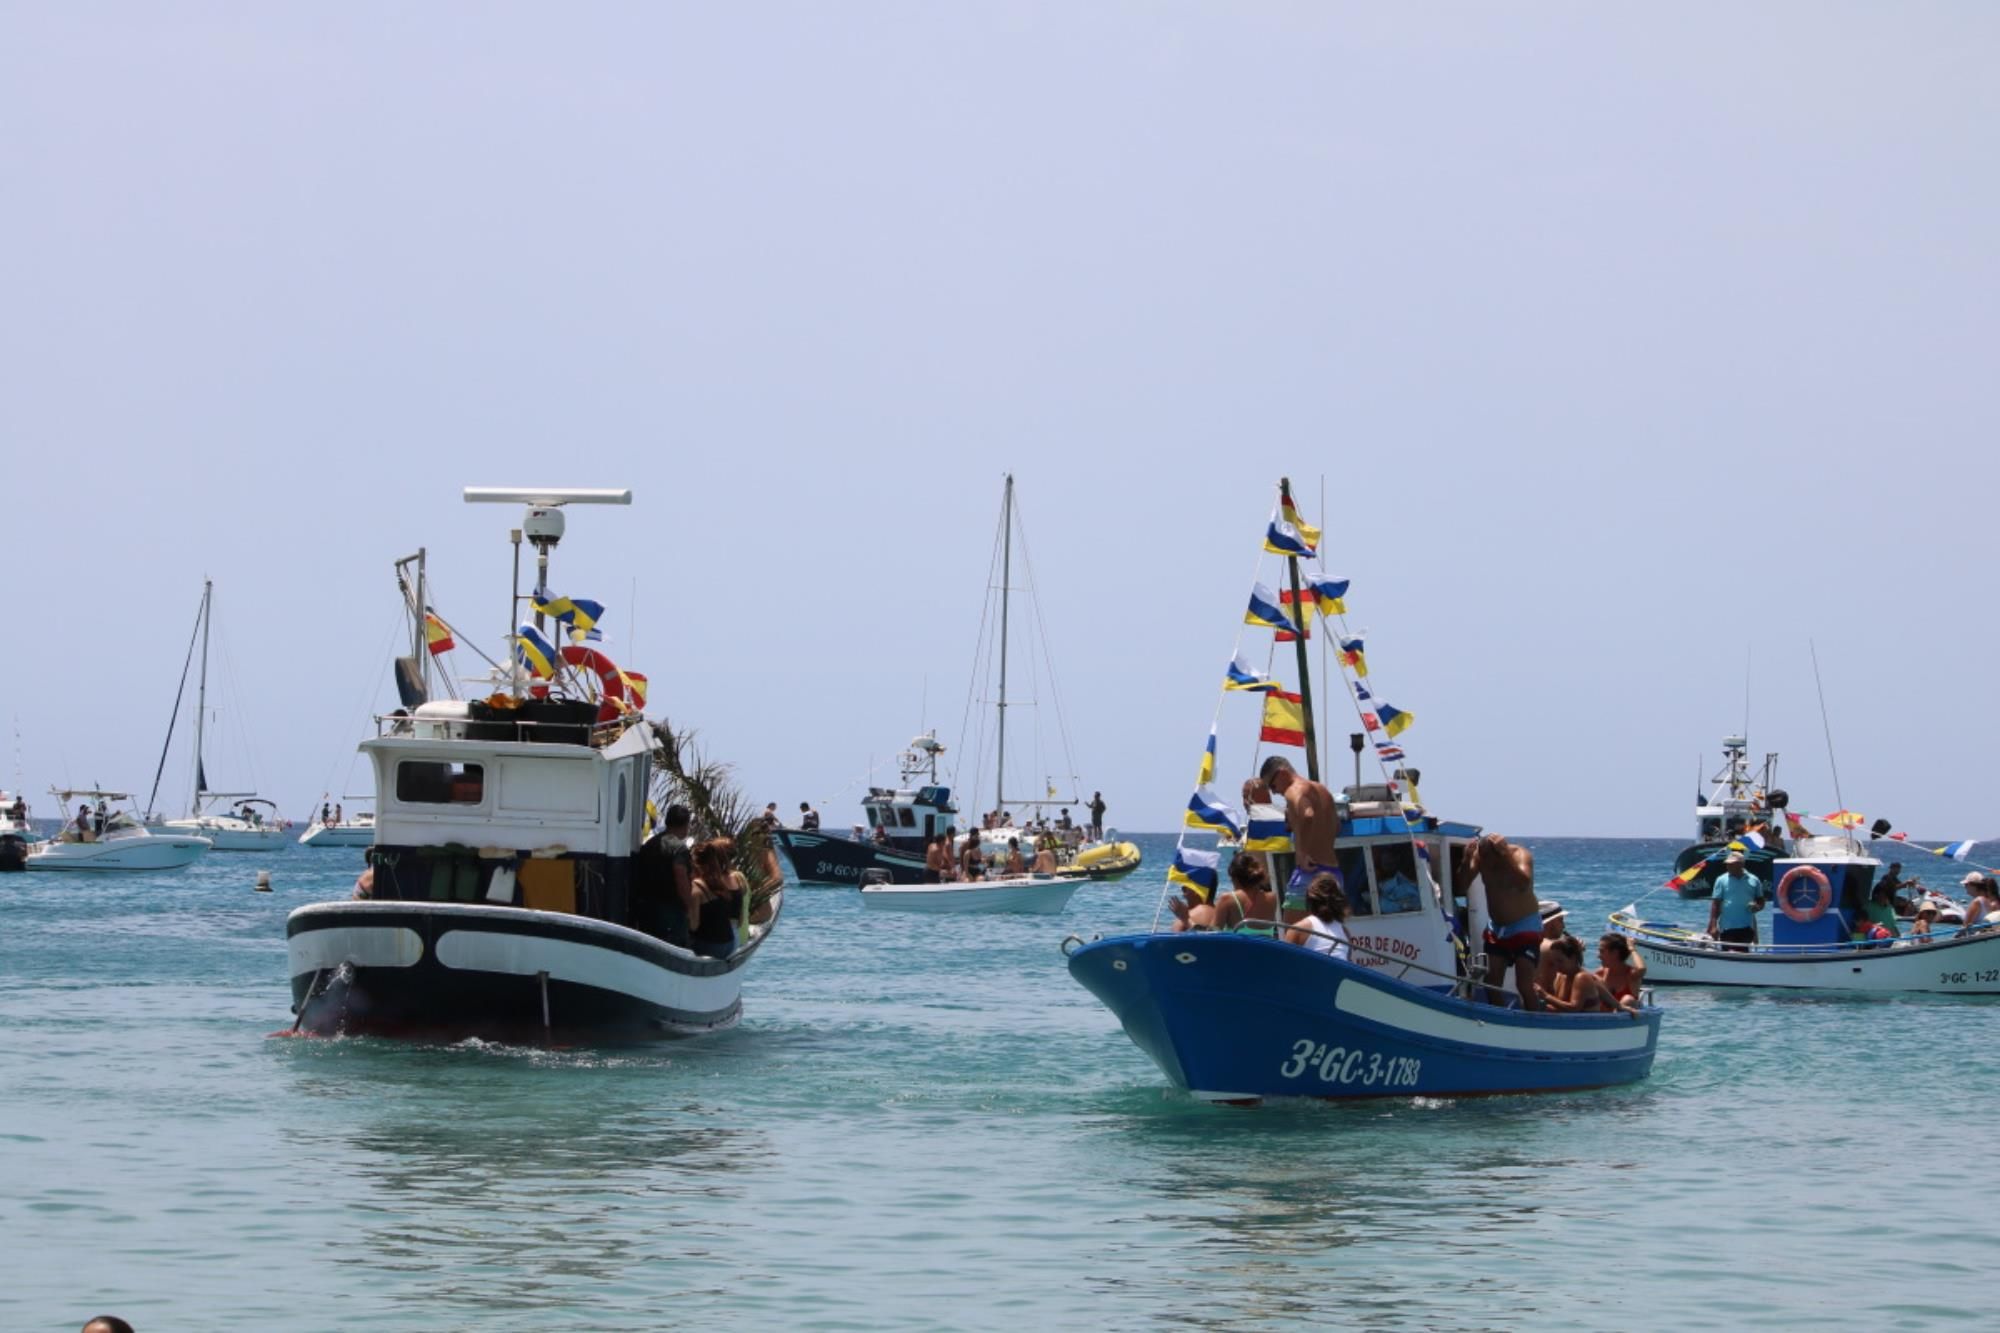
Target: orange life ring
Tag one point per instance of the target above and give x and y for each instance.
(1822, 899)
(620, 691)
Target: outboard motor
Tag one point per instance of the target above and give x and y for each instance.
(13, 854)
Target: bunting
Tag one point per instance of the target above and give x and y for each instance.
(579, 614)
(1207, 761)
(1267, 835)
(1264, 610)
(437, 635)
(1289, 534)
(1206, 810)
(1284, 719)
(1394, 720)
(1244, 677)
(1300, 609)
(535, 653)
(1331, 594)
(1352, 657)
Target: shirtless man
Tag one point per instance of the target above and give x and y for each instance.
(1514, 932)
(1310, 815)
(934, 860)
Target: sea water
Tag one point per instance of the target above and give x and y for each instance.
(924, 1122)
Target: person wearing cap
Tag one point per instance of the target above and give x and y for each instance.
(1732, 911)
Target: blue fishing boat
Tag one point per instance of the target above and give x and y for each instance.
(1401, 1006)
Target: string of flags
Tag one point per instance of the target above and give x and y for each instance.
(579, 614)
(1751, 840)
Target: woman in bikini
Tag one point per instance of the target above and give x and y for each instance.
(1250, 897)
(1623, 972)
(1576, 991)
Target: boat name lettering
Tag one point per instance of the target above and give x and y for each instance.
(1983, 978)
(1385, 944)
(1350, 1065)
(1665, 959)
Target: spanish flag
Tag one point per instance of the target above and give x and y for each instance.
(1352, 657)
(1288, 534)
(1300, 611)
(437, 635)
(535, 653)
(1195, 870)
(1844, 819)
(1264, 610)
(1394, 720)
(1207, 762)
(1284, 719)
(635, 685)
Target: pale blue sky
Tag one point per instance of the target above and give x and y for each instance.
(1626, 341)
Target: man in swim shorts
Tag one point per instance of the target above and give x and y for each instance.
(1310, 815)
(1514, 929)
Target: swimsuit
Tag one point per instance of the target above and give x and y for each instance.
(1522, 939)
(1303, 875)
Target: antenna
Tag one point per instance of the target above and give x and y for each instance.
(1826, 726)
(543, 525)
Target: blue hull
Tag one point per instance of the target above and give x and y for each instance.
(1236, 1018)
(828, 858)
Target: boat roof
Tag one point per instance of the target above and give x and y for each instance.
(67, 792)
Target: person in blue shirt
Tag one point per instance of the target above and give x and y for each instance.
(1733, 908)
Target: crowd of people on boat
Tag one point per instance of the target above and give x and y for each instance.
(950, 859)
(1895, 908)
(688, 891)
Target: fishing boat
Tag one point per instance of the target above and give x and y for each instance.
(1243, 1015)
(1740, 801)
(356, 830)
(249, 823)
(901, 822)
(118, 839)
(1819, 894)
(505, 889)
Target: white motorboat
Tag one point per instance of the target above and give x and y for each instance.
(355, 831)
(116, 840)
(1043, 895)
(249, 823)
(509, 891)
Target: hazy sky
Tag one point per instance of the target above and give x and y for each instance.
(1626, 343)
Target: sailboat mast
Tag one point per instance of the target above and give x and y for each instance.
(1299, 642)
(201, 697)
(420, 635)
(1006, 578)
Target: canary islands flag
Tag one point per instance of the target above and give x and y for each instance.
(535, 653)
(1394, 720)
(1331, 594)
(1267, 834)
(579, 613)
(1206, 810)
(1207, 762)
(1957, 851)
(1288, 534)
(1284, 719)
(1352, 657)
(1242, 676)
(1264, 611)
(1195, 870)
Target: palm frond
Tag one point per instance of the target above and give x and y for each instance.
(707, 787)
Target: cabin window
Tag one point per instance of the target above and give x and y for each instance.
(1354, 880)
(428, 782)
(930, 826)
(538, 786)
(1396, 888)
(874, 814)
(621, 799)
(907, 816)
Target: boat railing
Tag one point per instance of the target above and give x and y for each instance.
(408, 726)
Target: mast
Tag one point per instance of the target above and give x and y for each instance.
(1006, 577)
(201, 698)
(1299, 642)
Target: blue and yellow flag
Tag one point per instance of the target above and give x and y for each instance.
(580, 614)
(1330, 593)
(1207, 761)
(1206, 810)
(1394, 720)
(1264, 611)
(1242, 676)
(535, 653)
(1195, 870)
(1270, 834)
(1352, 656)
(1289, 534)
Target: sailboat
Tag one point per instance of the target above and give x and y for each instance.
(1241, 1015)
(1031, 892)
(249, 823)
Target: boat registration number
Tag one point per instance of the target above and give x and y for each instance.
(1350, 1065)
(1985, 978)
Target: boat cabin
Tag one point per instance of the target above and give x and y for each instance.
(909, 817)
(536, 807)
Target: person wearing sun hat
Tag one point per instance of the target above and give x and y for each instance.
(1732, 911)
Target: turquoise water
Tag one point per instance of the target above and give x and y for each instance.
(924, 1123)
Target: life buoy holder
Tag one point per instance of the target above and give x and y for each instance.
(1822, 894)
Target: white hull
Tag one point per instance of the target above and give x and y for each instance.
(145, 851)
(227, 835)
(1044, 896)
(340, 835)
(1954, 965)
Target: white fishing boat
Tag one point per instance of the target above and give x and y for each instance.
(506, 893)
(356, 830)
(1043, 895)
(116, 839)
(248, 823)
